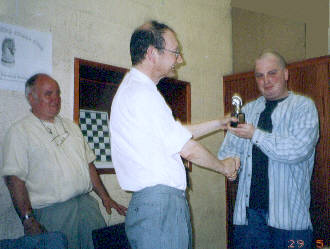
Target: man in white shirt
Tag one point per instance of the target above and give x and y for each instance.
(147, 145)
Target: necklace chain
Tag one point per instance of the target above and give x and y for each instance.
(46, 127)
(57, 135)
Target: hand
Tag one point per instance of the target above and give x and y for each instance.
(33, 227)
(243, 130)
(225, 122)
(108, 203)
(231, 167)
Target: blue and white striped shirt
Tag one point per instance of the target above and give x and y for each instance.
(290, 149)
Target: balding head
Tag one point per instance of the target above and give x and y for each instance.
(149, 34)
(44, 96)
(272, 53)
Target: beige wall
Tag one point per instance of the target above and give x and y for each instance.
(253, 32)
(100, 30)
(314, 13)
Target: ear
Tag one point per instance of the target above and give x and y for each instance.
(30, 98)
(151, 54)
(286, 74)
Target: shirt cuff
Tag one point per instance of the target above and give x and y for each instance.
(257, 137)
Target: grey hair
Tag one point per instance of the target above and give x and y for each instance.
(30, 83)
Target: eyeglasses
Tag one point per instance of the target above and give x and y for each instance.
(57, 139)
(176, 52)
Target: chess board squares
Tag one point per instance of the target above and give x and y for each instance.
(94, 126)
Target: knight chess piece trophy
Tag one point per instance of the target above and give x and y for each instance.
(237, 103)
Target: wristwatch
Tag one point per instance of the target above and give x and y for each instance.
(26, 217)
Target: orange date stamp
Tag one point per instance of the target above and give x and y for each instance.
(319, 243)
(296, 243)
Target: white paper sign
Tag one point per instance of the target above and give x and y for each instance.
(24, 52)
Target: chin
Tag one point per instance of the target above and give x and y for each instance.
(55, 113)
(172, 73)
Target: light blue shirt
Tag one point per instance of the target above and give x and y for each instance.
(291, 151)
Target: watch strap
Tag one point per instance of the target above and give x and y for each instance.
(26, 217)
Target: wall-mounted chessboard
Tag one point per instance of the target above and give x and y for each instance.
(95, 128)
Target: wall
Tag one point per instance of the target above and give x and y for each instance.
(100, 30)
(253, 32)
(314, 13)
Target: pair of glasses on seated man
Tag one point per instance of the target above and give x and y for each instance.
(57, 138)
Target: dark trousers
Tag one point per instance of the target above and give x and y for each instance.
(42, 241)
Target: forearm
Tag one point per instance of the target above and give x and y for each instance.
(98, 185)
(288, 148)
(202, 129)
(197, 154)
(22, 204)
(19, 195)
(294, 139)
(101, 191)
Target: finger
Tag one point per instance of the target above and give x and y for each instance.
(234, 119)
(233, 175)
(121, 211)
(231, 179)
(237, 163)
(109, 211)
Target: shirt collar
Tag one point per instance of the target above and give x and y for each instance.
(263, 99)
(143, 78)
(56, 118)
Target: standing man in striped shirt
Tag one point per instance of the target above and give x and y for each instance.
(277, 148)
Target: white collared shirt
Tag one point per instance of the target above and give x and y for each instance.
(145, 138)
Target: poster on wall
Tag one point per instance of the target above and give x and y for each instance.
(24, 52)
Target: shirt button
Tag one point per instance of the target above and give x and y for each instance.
(249, 175)
(247, 196)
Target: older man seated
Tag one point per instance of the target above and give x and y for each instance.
(49, 170)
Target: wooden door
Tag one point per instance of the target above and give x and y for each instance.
(309, 78)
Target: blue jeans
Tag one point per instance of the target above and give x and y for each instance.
(158, 217)
(42, 241)
(257, 235)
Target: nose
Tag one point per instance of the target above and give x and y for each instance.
(267, 79)
(179, 59)
(56, 98)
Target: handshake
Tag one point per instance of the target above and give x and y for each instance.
(229, 167)
(198, 154)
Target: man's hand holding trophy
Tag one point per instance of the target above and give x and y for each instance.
(237, 103)
(240, 128)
